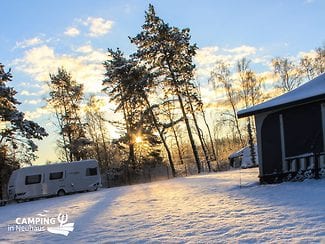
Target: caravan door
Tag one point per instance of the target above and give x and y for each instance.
(54, 182)
(33, 185)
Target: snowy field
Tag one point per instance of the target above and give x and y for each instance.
(207, 208)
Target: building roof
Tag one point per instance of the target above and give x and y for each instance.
(311, 91)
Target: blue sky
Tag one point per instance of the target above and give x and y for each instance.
(38, 36)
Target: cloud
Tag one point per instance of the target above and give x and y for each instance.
(72, 31)
(309, 54)
(210, 95)
(29, 42)
(86, 68)
(85, 49)
(29, 93)
(206, 57)
(34, 88)
(33, 101)
(38, 113)
(98, 26)
(242, 50)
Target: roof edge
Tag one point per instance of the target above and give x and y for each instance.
(243, 114)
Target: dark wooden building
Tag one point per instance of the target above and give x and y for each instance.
(290, 132)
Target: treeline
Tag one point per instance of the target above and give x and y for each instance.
(243, 88)
(155, 94)
(162, 115)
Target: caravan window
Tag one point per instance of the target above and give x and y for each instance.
(56, 175)
(33, 179)
(91, 171)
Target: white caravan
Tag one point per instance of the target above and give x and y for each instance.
(54, 179)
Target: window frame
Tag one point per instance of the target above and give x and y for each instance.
(51, 177)
(28, 182)
(90, 171)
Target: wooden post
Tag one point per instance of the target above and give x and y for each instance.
(316, 163)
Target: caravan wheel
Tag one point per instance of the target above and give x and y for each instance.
(61, 193)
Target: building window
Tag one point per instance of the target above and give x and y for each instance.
(33, 179)
(56, 175)
(91, 171)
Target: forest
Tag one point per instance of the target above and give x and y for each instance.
(164, 121)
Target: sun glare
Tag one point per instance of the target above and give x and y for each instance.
(138, 139)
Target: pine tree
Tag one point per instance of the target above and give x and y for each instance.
(125, 84)
(65, 98)
(16, 133)
(167, 51)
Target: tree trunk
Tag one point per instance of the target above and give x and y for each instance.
(63, 137)
(236, 121)
(1, 183)
(2, 164)
(101, 129)
(251, 142)
(210, 137)
(188, 127)
(175, 136)
(178, 146)
(93, 135)
(190, 135)
(131, 158)
(169, 155)
(205, 152)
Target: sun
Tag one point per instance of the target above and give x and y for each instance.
(138, 139)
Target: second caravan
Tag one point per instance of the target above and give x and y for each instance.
(54, 179)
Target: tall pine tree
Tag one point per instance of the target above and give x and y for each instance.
(65, 98)
(125, 84)
(16, 132)
(167, 51)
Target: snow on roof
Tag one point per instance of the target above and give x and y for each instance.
(310, 91)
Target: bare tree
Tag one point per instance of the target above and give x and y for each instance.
(221, 77)
(288, 73)
(96, 125)
(313, 65)
(251, 93)
(170, 107)
(193, 99)
(203, 113)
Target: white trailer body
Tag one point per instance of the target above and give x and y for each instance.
(54, 179)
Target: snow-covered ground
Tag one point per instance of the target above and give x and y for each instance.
(206, 208)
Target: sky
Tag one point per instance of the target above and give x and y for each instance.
(39, 36)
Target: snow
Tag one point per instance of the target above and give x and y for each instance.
(220, 207)
(247, 157)
(313, 88)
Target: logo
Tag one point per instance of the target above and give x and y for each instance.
(53, 224)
